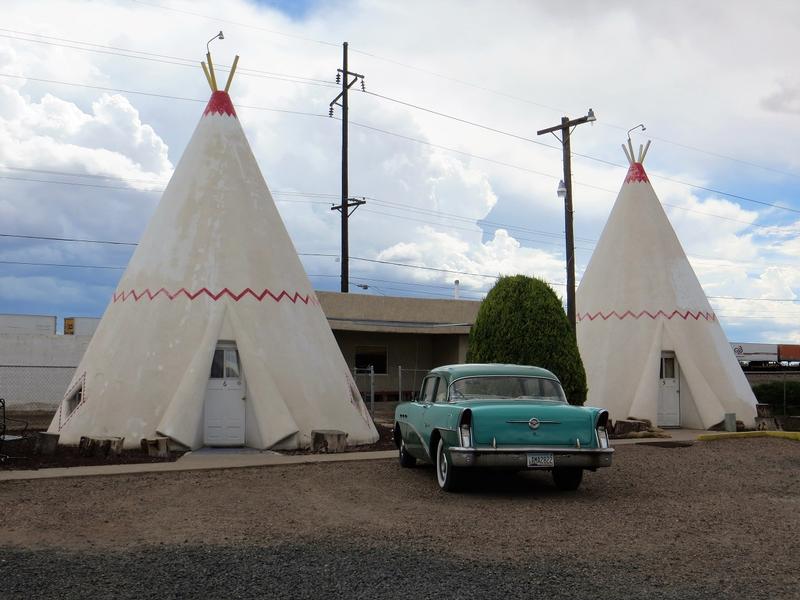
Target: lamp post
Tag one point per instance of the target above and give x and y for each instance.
(565, 192)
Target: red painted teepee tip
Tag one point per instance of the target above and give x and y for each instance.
(220, 104)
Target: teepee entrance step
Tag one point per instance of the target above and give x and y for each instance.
(669, 392)
(224, 411)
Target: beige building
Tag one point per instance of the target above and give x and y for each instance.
(401, 338)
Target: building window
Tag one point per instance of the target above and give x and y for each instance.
(372, 355)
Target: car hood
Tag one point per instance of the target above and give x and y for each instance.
(507, 423)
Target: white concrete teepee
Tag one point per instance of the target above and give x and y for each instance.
(650, 341)
(214, 335)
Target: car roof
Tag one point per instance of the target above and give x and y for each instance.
(452, 372)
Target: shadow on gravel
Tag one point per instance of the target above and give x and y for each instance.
(328, 568)
(507, 484)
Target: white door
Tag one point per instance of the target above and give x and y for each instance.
(225, 398)
(669, 403)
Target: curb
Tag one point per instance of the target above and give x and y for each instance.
(786, 435)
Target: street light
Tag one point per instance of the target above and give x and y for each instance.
(565, 192)
(219, 36)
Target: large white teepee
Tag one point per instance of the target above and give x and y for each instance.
(214, 335)
(650, 342)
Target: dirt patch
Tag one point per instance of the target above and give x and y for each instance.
(21, 455)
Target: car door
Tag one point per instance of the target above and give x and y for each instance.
(415, 439)
(433, 411)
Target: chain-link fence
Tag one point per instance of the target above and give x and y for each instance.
(365, 382)
(34, 387)
(409, 382)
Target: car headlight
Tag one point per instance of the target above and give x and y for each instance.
(466, 435)
(602, 437)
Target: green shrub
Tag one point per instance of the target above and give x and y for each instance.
(521, 321)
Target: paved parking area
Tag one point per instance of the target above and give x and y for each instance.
(714, 519)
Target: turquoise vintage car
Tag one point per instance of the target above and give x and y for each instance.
(500, 416)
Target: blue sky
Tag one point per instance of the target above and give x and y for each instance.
(715, 84)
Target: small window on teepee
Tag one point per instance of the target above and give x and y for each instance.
(73, 400)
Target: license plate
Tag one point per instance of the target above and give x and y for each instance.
(540, 461)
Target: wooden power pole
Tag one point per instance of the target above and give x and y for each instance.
(348, 79)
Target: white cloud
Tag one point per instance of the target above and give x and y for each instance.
(707, 76)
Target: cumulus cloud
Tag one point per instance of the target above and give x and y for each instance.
(56, 134)
(678, 67)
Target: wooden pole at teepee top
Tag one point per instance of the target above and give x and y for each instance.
(628, 156)
(208, 77)
(644, 152)
(211, 72)
(230, 75)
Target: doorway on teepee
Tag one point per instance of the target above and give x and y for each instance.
(669, 391)
(225, 398)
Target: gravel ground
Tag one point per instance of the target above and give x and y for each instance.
(716, 519)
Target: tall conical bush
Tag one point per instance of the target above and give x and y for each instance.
(521, 321)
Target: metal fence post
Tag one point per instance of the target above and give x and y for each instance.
(372, 390)
(399, 383)
(784, 394)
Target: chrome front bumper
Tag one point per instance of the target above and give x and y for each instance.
(517, 457)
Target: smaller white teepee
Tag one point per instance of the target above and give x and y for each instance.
(649, 339)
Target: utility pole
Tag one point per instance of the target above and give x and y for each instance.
(565, 127)
(344, 76)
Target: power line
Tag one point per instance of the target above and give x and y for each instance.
(313, 194)
(362, 125)
(578, 154)
(156, 95)
(237, 23)
(359, 258)
(460, 120)
(64, 239)
(59, 265)
(138, 54)
(159, 58)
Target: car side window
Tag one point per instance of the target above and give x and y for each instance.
(441, 391)
(428, 388)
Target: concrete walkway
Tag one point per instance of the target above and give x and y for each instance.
(199, 462)
(229, 458)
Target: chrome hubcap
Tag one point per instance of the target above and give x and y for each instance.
(442, 465)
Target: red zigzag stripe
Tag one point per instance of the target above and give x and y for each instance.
(708, 316)
(146, 293)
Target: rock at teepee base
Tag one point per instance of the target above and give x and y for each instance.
(156, 447)
(764, 410)
(623, 426)
(328, 440)
(100, 446)
(767, 424)
(46, 443)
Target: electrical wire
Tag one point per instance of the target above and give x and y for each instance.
(152, 57)
(129, 53)
(156, 95)
(365, 126)
(330, 255)
(580, 155)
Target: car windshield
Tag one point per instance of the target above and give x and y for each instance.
(507, 387)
